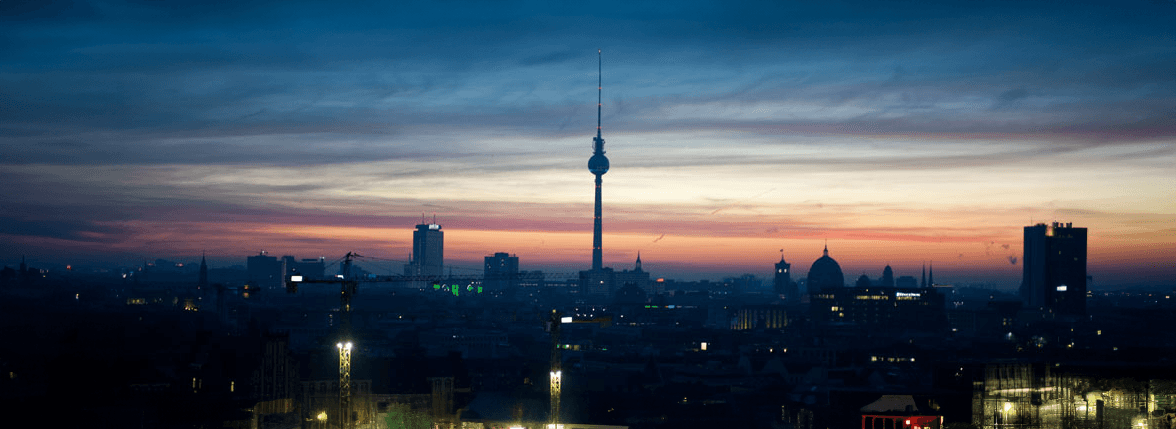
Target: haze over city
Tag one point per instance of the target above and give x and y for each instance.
(898, 133)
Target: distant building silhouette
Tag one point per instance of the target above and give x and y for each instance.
(1054, 264)
(202, 282)
(825, 274)
(428, 251)
(921, 308)
(906, 282)
(311, 268)
(863, 281)
(924, 283)
(638, 277)
(630, 294)
(264, 269)
(501, 272)
(783, 284)
(887, 279)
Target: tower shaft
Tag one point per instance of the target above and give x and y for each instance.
(597, 253)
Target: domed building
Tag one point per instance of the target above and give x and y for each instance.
(825, 274)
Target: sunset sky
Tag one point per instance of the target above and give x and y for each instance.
(899, 132)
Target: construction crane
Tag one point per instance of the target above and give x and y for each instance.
(556, 380)
(347, 288)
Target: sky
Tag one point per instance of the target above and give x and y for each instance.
(899, 133)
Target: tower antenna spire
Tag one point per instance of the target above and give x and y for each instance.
(599, 90)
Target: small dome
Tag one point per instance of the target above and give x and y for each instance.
(825, 273)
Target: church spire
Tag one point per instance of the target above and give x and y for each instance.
(202, 283)
(931, 274)
(638, 261)
(924, 274)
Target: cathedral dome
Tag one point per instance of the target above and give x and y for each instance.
(825, 273)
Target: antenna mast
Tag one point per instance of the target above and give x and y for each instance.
(599, 91)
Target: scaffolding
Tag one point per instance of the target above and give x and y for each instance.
(1031, 396)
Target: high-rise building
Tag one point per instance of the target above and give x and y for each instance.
(501, 272)
(264, 269)
(1054, 263)
(427, 251)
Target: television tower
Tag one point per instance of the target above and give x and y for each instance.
(598, 165)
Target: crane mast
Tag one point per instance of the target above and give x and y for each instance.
(556, 370)
(345, 343)
(347, 287)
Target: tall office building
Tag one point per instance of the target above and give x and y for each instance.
(264, 269)
(427, 251)
(1054, 263)
(501, 272)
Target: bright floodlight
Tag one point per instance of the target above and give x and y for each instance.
(565, 320)
(295, 278)
(347, 346)
(339, 345)
(322, 416)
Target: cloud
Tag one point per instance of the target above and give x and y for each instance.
(1007, 98)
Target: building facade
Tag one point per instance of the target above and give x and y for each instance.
(428, 251)
(501, 272)
(879, 306)
(1054, 264)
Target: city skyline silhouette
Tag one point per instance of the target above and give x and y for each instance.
(904, 134)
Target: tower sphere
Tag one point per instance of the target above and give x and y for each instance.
(598, 164)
